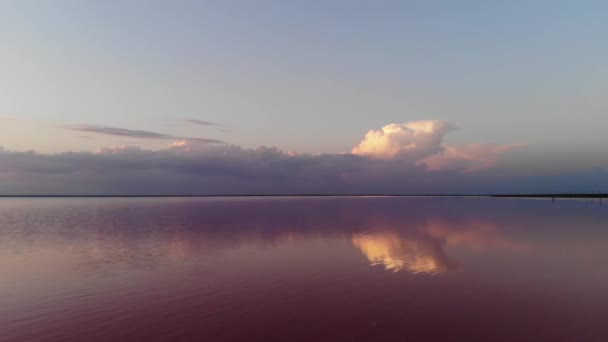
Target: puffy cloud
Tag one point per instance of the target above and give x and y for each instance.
(421, 142)
(121, 149)
(411, 140)
(186, 145)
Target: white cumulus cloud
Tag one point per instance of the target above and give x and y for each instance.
(421, 143)
(412, 140)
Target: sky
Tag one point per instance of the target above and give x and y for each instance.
(303, 96)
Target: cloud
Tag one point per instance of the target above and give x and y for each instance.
(199, 168)
(204, 123)
(195, 168)
(421, 142)
(407, 158)
(411, 140)
(468, 157)
(123, 132)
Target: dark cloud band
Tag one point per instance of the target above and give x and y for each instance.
(141, 134)
(204, 123)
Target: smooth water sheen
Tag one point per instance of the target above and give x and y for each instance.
(303, 269)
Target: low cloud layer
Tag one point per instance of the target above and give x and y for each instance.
(470, 157)
(408, 158)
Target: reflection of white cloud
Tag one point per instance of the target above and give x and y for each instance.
(424, 250)
(396, 253)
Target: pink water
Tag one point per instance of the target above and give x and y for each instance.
(303, 269)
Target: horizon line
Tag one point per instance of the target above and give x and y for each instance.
(524, 195)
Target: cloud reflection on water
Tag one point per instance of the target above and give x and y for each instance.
(121, 235)
(422, 250)
(145, 269)
(404, 254)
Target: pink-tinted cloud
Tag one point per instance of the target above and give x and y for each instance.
(397, 159)
(421, 142)
(471, 233)
(412, 140)
(469, 157)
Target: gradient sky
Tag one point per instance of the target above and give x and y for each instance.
(525, 80)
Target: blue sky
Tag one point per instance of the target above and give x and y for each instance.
(307, 76)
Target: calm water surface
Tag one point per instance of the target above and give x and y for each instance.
(303, 269)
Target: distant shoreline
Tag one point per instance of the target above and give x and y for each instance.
(555, 196)
(561, 195)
